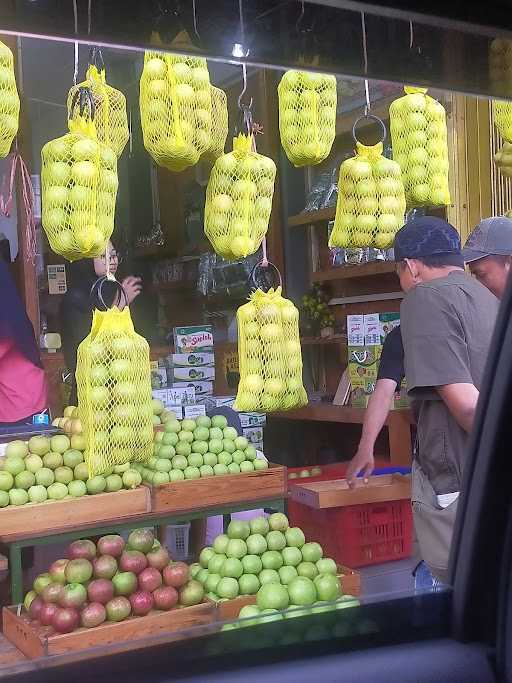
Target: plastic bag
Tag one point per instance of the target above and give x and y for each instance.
(110, 109)
(307, 116)
(114, 392)
(78, 191)
(176, 109)
(269, 354)
(219, 124)
(371, 202)
(9, 101)
(419, 137)
(239, 200)
(502, 116)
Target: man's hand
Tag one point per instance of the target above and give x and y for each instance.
(132, 286)
(363, 461)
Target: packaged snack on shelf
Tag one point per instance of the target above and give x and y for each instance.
(192, 374)
(185, 360)
(193, 339)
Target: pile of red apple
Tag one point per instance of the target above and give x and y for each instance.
(110, 581)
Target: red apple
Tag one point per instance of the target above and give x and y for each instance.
(165, 597)
(66, 620)
(118, 609)
(112, 544)
(141, 602)
(58, 571)
(100, 590)
(47, 614)
(52, 592)
(150, 579)
(176, 574)
(105, 566)
(35, 607)
(82, 549)
(73, 595)
(158, 558)
(133, 561)
(93, 615)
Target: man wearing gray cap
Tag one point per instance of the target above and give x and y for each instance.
(488, 253)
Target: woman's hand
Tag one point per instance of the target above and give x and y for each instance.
(132, 286)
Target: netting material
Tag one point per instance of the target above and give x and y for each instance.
(110, 116)
(371, 201)
(307, 116)
(239, 200)
(219, 124)
(502, 116)
(419, 137)
(269, 354)
(114, 392)
(176, 109)
(78, 191)
(503, 159)
(9, 101)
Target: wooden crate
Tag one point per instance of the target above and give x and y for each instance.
(350, 581)
(230, 609)
(64, 515)
(195, 494)
(37, 641)
(337, 493)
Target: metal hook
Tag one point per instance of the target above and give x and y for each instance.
(244, 89)
(194, 17)
(301, 16)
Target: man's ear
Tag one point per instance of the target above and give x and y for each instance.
(412, 264)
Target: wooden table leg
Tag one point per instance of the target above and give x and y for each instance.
(16, 573)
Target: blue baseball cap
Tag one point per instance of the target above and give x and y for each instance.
(428, 236)
(491, 237)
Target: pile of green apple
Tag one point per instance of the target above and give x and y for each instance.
(176, 109)
(160, 413)
(79, 188)
(109, 581)
(239, 201)
(204, 447)
(44, 470)
(419, 137)
(266, 552)
(9, 101)
(270, 354)
(307, 116)
(305, 473)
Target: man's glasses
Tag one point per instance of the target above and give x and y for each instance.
(113, 256)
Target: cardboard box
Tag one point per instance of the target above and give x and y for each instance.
(355, 330)
(360, 393)
(181, 396)
(253, 434)
(192, 374)
(158, 378)
(191, 412)
(201, 389)
(252, 419)
(197, 338)
(185, 360)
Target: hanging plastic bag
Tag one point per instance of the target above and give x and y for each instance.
(307, 116)
(175, 109)
(371, 201)
(419, 137)
(269, 354)
(9, 101)
(114, 392)
(219, 124)
(239, 200)
(110, 106)
(78, 187)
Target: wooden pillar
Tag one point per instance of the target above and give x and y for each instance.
(400, 442)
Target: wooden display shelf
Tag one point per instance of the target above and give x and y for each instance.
(39, 641)
(194, 494)
(312, 217)
(337, 493)
(327, 412)
(370, 269)
(62, 515)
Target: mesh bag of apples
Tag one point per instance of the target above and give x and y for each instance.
(109, 581)
(219, 124)
(78, 191)
(110, 109)
(239, 200)
(176, 109)
(419, 137)
(371, 201)
(114, 392)
(307, 116)
(502, 117)
(9, 101)
(269, 354)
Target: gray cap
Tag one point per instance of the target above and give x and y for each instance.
(491, 237)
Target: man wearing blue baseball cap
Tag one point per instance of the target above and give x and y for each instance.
(447, 319)
(488, 253)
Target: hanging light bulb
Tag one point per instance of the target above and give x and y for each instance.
(238, 50)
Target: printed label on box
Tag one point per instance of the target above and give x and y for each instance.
(193, 339)
(177, 410)
(57, 279)
(253, 434)
(355, 330)
(182, 396)
(185, 360)
(252, 419)
(372, 329)
(191, 412)
(158, 378)
(193, 374)
(200, 388)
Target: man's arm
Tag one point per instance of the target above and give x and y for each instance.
(375, 416)
(461, 400)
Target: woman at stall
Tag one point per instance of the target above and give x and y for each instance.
(23, 390)
(79, 303)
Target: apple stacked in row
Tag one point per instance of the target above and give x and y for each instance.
(260, 552)
(204, 447)
(44, 470)
(109, 582)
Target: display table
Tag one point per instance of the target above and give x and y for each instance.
(65, 534)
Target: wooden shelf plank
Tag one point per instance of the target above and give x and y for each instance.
(327, 412)
(370, 269)
(323, 341)
(311, 217)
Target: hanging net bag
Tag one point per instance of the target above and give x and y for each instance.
(176, 109)
(239, 200)
(9, 101)
(307, 116)
(503, 159)
(269, 354)
(502, 117)
(110, 106)
(419, 137)
(219, 124)
(114, 391)
(371, 201)
(78, 187)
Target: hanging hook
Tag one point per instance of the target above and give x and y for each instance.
(301, 16)
(241, 105)
(194, 18)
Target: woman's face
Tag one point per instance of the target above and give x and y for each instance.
(100, 267)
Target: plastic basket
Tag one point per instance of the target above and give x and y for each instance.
(358, 535)
(177, 540)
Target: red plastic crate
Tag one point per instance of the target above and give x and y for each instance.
(356, 535)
